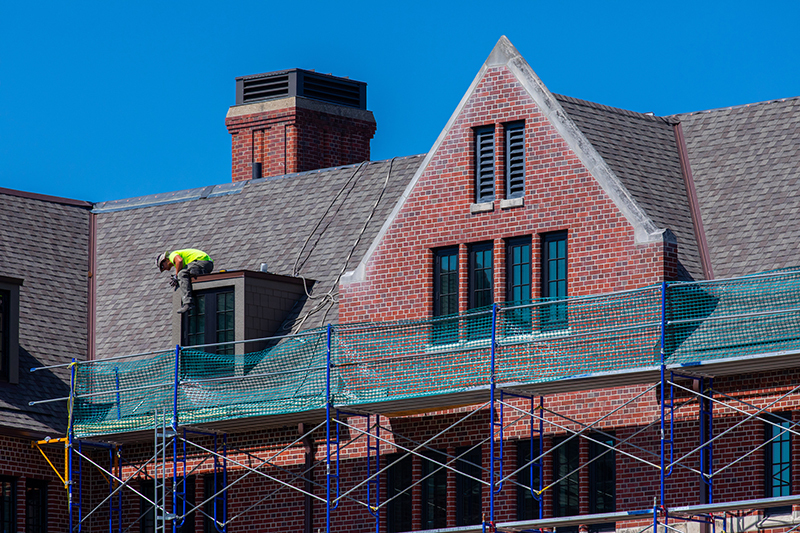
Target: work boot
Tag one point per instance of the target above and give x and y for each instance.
(185, 308)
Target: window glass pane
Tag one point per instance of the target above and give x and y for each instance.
(778, 458)
(398, 507)
(215, 506)
(565, 475)
(445, 302)
(197, 322)
(602, 475)
(35, 506)
(518, 278)
(434, 491)
(8, 504)
(468, 487)
(528, 478)
(554, 280)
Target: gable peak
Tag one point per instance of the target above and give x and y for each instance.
(502, 53)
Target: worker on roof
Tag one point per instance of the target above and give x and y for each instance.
(189, 262)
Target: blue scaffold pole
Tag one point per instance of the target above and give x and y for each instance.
(663, 399)
(328, 433)
(492, 384)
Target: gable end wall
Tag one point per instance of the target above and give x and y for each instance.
(560, 194)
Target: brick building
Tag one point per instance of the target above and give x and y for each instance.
(494, 355)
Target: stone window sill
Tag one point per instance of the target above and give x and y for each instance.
(481, 208)
(511, 202)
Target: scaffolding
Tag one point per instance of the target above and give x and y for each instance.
(345, 383)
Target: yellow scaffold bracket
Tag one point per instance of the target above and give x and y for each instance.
(37, 444)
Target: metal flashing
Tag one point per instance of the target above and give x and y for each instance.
(153, 200)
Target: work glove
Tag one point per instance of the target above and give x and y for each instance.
(173, 282)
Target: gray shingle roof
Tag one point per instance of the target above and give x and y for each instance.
(307, 224)
(746, 166)
(642, 151)
(46, 243)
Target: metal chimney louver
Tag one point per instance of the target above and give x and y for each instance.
(298, 82)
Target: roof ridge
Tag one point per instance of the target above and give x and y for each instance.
(605, 107)
(739, 106)
(213, 191)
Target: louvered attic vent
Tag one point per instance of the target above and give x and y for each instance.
(298, 82)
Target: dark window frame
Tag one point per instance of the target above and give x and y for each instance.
(602, 474)
(35, 506)
(476, 293)
(433, 491)
(554, 316)
(188, 525)
(528, 507)
(469, 492)
(514, 133)
(220, 502)
(147, 523)
(5, 330)
(399, 477)
(8, 503)
(519, 279)
(566, 460)
(207, 300)
(785, 443)
(445, 331)
(484, 163)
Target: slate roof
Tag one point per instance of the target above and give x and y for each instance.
(746, 166)
(308, 224)
(46, 243)
(642, 151)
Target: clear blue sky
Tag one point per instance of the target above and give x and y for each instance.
(109, 100)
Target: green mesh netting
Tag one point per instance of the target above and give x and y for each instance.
(378, 362)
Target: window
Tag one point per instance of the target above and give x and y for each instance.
(35, 506)
(445, 294)
(554, 280)
(9, 329)
(433, 491)
(187, 524)
(468, 486)
(515, 160)
(778, 457)
(602, 475)
(146, 509)
(398, 479)
(481, 274)
(5, 302)
(528, 477)
(518, 284)
(215, 508)
(8, 504)
(481, 289)
(484, 164)
(565, 476)
(211, 320)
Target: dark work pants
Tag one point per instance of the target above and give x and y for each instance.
(195, 268)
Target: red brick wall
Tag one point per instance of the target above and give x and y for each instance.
(295, 140)
(280, 509)
(22, 462)
(560, 194)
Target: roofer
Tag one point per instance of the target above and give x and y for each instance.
(189, 262)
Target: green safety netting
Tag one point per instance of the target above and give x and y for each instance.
(380, 362)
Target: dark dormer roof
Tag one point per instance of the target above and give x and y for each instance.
(313, 224)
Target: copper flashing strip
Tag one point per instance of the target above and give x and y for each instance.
(91, 309)
(694, 203)
(44, 197)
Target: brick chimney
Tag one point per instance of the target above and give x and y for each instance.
(297, 120)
